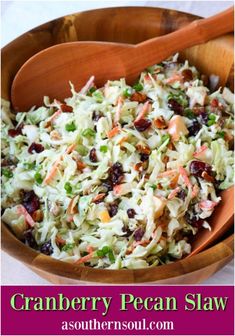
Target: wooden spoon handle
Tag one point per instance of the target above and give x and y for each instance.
(197, 32)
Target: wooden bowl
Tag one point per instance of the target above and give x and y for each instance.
(127, 25)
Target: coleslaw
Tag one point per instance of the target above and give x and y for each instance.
(119, 176)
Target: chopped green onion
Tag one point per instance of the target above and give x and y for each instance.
(165, 137)
(29, 165)
(138, 86)
(150, 70)
(98, 96)
(212, 119)
(180, 97)
(106, 250)
(68, 247)
(83, 254)
(100, 253)
(38, 178)
(92, 90)
(127, 93)
(189, 113)
(70, 127)
(111, 257)
(221, 134)
(7, 172)
(104, 149)
(153, 186)
(82, 150)
(88, 132)
(68, 187)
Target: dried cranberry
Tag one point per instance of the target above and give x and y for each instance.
(92, 155)
(131, 213)
(214, 102)
(205, 80)
(181, 194)
(47, 248)
(187, 75)
(198, 167)
(96, 115)
(138, 234)
(30, 201)
(194, 128)
(175, 106)
(29, 239)
(127, 231)
(116, 173)
(193, 220)
(35, 148)
(112, 209)
(204, 118)
(144, 157)
(142, 124)
(108, 186)
(17, 131)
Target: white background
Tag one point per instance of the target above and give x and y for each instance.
(20, 16)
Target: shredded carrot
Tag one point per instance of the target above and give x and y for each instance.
(184, 175)
(28, 219)
(117, 189)
(53, 170)
(200, 150)
(173, 193)
(52, 118)
(59, 240)
(70, 218)
(113, 132)
(90, 249)
(167, 173)
(85, 259)
(195, 190)
(70, 148)
(88, 85)
(143, 112)
(118, 111)
(174, 78)
(54, 167)
(135, 244)
(147, 77)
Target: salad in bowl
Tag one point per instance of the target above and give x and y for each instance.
(119, 176)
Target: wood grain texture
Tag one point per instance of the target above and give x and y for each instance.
(125, 25)
(49, 71)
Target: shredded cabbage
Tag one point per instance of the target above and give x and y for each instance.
(119, 176)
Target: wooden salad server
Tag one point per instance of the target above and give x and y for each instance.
(221, 221)
(49, 71)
